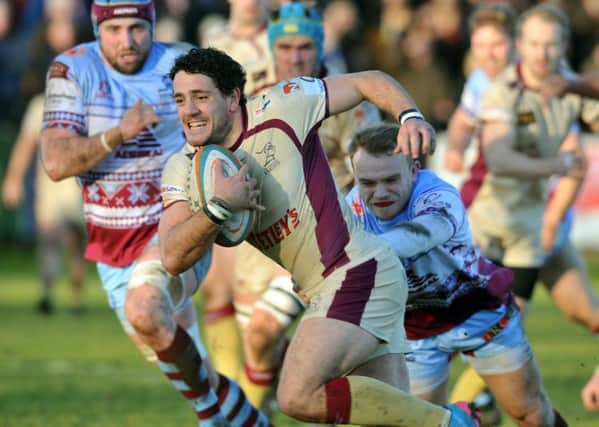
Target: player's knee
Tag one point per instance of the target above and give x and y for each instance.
(138, 308)
(263, 331)
(216, 294)
(154, 295)
(295, 402)
(281, 302)
(532, 412)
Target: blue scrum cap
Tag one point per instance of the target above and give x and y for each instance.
(294, 19)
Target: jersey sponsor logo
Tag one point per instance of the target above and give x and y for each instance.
(357, 206)
(526, 118)
(58, 70)
(167, 85)
(270, 161)
(103, 91)
(137, 154)
(291, 87)
(265, 104)
(125, 11)
(171, 188)
(434, 197)
(277, 232)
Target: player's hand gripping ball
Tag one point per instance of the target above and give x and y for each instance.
(202, 185)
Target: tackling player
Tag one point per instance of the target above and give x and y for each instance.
(457, 300)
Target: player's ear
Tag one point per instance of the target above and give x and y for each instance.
(415, 167)
(235, 100)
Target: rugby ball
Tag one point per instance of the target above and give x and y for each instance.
(235, 229)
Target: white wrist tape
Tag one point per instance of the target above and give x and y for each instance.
(412, 113)
(107, 147)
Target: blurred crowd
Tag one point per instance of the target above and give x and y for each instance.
(423, 43)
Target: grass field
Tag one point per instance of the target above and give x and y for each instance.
(81, 371)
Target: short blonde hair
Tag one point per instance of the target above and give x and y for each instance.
(500, 15)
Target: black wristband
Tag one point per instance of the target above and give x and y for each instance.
(220, 202)
(216, 220)
(410, 113)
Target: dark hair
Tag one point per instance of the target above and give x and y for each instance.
(225, 72)
(379, 139)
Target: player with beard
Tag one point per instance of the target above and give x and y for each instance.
(344, 363)
(111, 121)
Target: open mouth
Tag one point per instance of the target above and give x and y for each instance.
(197, 124)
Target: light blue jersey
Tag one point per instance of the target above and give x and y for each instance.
(121, 194)
(457, 300)
(431, 235)
(473, 92)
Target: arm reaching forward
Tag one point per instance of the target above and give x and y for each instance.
(415, 137)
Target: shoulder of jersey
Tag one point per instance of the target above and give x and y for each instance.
(79, 59)
(235, 229)
(508, 77)
(80, 54)
(477, 78)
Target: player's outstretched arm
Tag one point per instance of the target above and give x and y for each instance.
(345, 91)
(460, 130)
(66, 153)
(584, 85)
(13, 187)
(498, 139)
(565, 192)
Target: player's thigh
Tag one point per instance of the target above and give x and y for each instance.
(322, 349)
(499, 346)
(507, 365)
(389, 368)
(357, 315)
(565, 275)
(559, 263)
(520, 393)
(428, 368)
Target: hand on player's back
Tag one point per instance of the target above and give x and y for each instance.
(554, 85)
(238, 191)
(136, 119)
